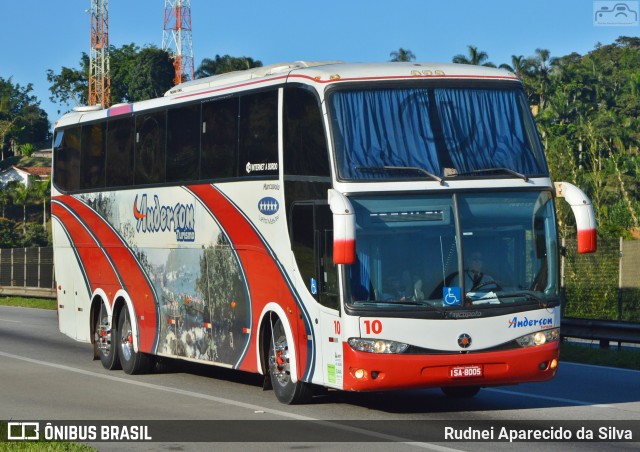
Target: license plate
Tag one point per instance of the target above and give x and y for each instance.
(465, 371)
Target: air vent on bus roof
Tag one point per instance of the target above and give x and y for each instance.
(230, 78)
(85, 108)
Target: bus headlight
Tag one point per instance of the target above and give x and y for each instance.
(377, 345)
(539, 338)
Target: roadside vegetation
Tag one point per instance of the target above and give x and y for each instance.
(625, 358)
(39, 303)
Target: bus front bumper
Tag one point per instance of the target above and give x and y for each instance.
(373, 372)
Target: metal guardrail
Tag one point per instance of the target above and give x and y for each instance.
(604, 331)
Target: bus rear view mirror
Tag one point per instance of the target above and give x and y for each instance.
(583, 212)
(344, 228)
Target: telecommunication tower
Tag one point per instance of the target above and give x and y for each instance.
(176, 38)
(99, 74)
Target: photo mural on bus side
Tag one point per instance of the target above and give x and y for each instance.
(199, 287)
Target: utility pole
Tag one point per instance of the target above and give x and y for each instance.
(99, 74)
(176, 38)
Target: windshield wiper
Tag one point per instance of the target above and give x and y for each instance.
(528, 295)
(401, 168)
(524, 177)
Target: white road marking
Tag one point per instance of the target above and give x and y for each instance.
(231, 402)
(553, 399)
(12, 321)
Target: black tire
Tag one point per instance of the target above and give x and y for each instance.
(461, 392)
(132, 362)
(105, 342)
(286, 391)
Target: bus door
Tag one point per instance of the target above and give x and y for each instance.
(312, 237)
(70, 295)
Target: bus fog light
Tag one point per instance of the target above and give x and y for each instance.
(554, 364)
(359, 374)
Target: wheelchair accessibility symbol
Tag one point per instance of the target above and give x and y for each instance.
(451, 296)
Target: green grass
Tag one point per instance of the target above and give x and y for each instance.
(37, 446)
(611, 357)
(23, 302)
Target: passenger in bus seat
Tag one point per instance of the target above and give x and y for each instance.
(403, 288)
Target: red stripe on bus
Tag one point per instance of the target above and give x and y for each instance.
(265, 281)
(133, 277)
(93, 260)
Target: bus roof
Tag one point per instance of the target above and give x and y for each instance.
(323, 72)
(334, 71)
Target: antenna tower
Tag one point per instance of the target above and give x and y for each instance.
(176, 38)
(99, 74)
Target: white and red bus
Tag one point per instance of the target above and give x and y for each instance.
(313, 222)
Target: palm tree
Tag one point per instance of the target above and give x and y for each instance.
(41, 191)
(476, 58)
(402, 55)
(519, 65)
(20, 194)
(224, 64)
(5, 197)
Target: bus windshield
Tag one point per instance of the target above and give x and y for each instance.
(416, 133)
(408, 250)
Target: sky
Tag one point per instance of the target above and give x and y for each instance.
(37, 35)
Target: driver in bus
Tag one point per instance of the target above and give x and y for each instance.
(474, 278)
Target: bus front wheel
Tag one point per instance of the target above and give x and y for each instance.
(280, 371)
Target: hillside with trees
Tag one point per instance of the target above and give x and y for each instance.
(587, 108)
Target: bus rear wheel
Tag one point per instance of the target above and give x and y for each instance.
(104, 341)
(280, 372)
(461, 392)
(132, 362)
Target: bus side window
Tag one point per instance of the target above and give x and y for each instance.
(219, 139)
(67, 158)
(305, 143)
(259, 133)
(150, 148)
(312, 244)
(120, 133)
(183, 143)
(328, 271)
(92, 174)
(302, 243)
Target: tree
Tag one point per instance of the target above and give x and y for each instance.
(151, 75)
(41, 191)
(223, 64)
(520, 66)
(402, 55)
(475, 57)
(21, 194)
(5, 198)
(21, 118)
(136, 74)
(70, 86)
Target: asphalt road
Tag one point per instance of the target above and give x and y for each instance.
(45, 375)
